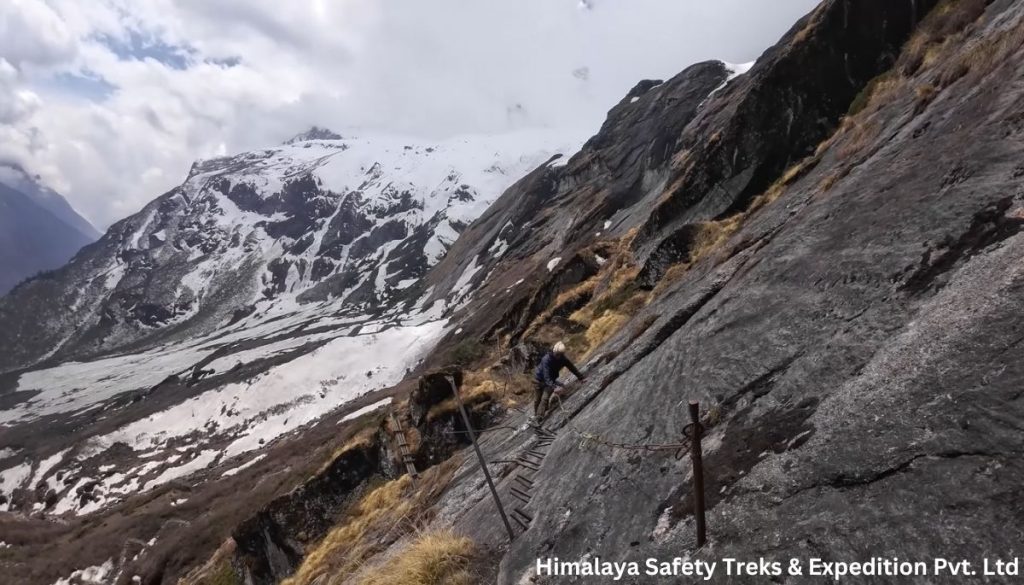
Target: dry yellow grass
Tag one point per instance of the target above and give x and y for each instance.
(925, 94)
(983, 57)
(594, 320)
(381, 516)
(808, 28)
(603, 328)
(434, 558)
(571, 296)
(943, 27)
(487, 388)
(361, 439)
(710, 237)
(712, 234)
(858, 135)
(346, 546)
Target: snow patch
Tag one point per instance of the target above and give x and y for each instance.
(244, 466)
(201, 461)
(96, 575)
(12, 479)
(358, 413)
(45, 467)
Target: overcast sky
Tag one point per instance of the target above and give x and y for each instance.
(110, 101)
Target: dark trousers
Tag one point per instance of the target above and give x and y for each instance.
(541, 397)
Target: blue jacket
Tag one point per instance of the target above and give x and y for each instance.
(551, 365)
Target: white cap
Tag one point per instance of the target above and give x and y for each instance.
(559, 347)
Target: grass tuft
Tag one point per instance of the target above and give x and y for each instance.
(434, 558)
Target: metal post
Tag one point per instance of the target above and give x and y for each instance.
(480, 456)
(696, 455)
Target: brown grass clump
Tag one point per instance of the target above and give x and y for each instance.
(710, 237)
(983, 57)
(944, 26)
(482, 391)
(361, 439)
(812, 23)
(383, 515)
(858, 135)
(924, 95)
(434, 558)
(603, 328)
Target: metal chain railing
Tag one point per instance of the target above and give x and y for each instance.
(588, 438)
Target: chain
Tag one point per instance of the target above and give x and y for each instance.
(587, 438)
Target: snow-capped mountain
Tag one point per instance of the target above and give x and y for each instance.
(355, 220)
(267, 290)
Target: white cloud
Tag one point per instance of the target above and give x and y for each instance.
(110, 101)
(32, 33)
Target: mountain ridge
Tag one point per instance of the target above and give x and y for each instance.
(39, 230)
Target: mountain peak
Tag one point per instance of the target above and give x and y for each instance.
(314, 133)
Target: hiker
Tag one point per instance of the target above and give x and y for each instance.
(547, 378)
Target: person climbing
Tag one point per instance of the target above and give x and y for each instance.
(547, 378)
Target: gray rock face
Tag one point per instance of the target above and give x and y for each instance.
(858, 338)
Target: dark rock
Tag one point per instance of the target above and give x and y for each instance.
(271, 544)
(675, 248)
(433, 388)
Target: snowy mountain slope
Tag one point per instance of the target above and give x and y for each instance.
(355, 219)
(230, 418)
(266, 291)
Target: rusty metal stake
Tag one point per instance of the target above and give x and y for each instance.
(697, 456)
(480, 456)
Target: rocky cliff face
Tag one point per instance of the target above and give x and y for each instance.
(852, 330)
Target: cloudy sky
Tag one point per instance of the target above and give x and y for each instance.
(110, 101)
